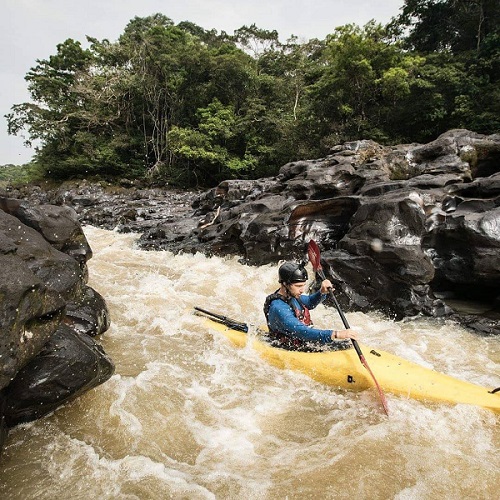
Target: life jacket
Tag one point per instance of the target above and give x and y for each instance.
(302, 313)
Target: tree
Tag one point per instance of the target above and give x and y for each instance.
(193, 106)
(459, 84)
(256, 41)
(359, 74)
(455, 25)
(209, 152)
(53, 117)
(50, 84)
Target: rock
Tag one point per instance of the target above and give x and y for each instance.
(29, 314)
(484, 326)
(58, 225)
(3, 423)
(90, 315)
(324, 179)
(330, 217)
(56, 269)
(127, 208)
(69, 365)
(411, 220)
(34, 280)
(47, 311)
(465, 248)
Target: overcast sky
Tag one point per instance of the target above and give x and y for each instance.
(31, 29)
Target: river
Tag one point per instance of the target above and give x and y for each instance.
(189, 416)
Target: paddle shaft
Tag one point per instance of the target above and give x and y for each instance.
(343, 318)
(315, 258)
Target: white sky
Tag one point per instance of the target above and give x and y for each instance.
(31, 29)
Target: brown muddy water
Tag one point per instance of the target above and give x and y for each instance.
(188, 416)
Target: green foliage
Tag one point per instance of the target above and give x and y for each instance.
(361, 76)
(447, 25)
(193, 107)
(19, 174)
(211, 152)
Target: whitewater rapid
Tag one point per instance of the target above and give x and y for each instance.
(187, 415)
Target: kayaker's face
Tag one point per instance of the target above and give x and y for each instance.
(297, 289)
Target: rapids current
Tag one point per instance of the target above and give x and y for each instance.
(187, 415)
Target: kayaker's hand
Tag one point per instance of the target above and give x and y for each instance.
(344, 334)
(326, 285)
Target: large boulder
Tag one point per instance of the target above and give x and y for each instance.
(37, 281)
(384, 240)
(47, 311)
(69, 364)
(58, 225)
(465, 246)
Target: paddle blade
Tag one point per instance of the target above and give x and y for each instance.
(314, 255)
(383, 399)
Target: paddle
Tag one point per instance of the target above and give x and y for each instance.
(315, 258)
(231, 323)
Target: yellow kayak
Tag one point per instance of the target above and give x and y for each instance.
(343, 369)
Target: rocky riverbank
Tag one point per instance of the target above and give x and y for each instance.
(418, 222)
(125, 207)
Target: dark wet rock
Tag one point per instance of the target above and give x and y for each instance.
(126, 208)
(69, 364)
(32, 299)
(488, 325)
(56, 269)
(465, 248)
(482, 187)
(89, 315)
(58, 225)
(44, 297)
(3, 423)
(384, 238)
(335, 177)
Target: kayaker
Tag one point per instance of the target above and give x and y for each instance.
(287, 311)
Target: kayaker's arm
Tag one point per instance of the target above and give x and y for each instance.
(312, 300)
(282, 319)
